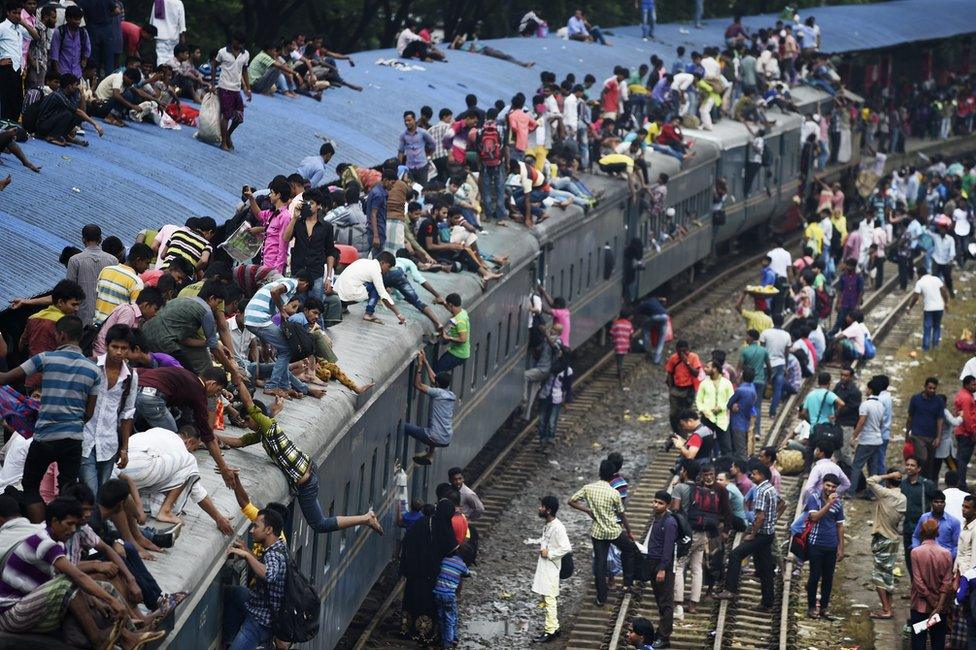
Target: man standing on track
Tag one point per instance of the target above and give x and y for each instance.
(554, 547)
(924, 426)
(660, 544)
(934, 297)
(759, 541)
(603, 506)
(683, 369)
(781, 263)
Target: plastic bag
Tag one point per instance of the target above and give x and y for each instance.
(208, 123)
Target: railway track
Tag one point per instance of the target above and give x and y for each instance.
(506, 475)
(740, 624)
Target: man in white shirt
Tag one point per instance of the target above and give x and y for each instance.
(776, 341)
(13, 33)
(966, 550)
(363, 280)
(934, 297)
(169, 19)
(781, 263)
(553, 546)
(232, 62)
(944, 251)
(954, 496)
(571, 116)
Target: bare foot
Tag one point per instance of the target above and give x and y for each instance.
(277, 406)
(295, 394)
(168, 518)
(370, 318)
(56, 141)
(317, 393)
(5, 182)
(34, 168)
(276, 392)
(365, 387)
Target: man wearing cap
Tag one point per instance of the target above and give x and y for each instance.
(659, 566)
(943, 251)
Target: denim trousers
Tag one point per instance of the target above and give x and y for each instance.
(660, 323)
(94, 473)
(396, 279)
(373, 299)
(648, 19)
(548, 419)
(779, 376)
(493, 192)
(239, 626)
(271, 335)
(151, 592)
(864, 455)
(931, 329)
(308, 500)
(152, 409)
(447, 615)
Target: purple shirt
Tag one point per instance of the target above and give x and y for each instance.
(851, 288)
(661, 90)
(69, 51)
(415, 146)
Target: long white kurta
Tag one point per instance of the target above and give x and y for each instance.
(554, 538)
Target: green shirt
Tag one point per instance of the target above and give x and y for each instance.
(819, 281)
(259, 65)
(461, 325)
(754, 356)
(605, 504)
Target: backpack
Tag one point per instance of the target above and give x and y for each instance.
(490, 146)
(297, 621)
(869, 349)
(300, 341)
(348, 230)
(825, 303)
(704, 510)
(682, 545)
(63, 34)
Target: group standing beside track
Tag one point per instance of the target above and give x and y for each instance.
(143, 351)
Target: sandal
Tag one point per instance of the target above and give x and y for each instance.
(148, 637)
(113, 635)
(880, 616)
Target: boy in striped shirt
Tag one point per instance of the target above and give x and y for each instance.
(453, 569)
(120, 283)
(621, 331)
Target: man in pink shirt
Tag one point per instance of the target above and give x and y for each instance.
(520, 123)
(273, 222)
(150, 299)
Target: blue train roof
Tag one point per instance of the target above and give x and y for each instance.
(143, 176)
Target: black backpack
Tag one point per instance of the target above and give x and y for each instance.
(682, 545)
(297, 621)
(299, 339)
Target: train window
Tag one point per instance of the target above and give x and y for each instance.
(328, 538)
(345, 508)
(508, 334)
(562, 283)
(362, 487)
(579, 285)
(572, 273)
(372, 478)
(386, 462)
(518, 327)
(498, 344)
(487, 356)
(474, 365)
(589, 270)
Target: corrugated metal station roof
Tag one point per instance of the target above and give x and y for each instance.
(143, 176)
(844, 28)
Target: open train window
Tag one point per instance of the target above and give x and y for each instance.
(474, 365)
(572, 273)
(508, 333)
(328, 538)
(372, 478)
(518, 328)
(498, 345)
(345, 508)
(386, 463)
(487, 365)
(589, 270)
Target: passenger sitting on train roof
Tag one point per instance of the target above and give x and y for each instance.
(165, 472)
(747, 109)
(462, 232)
(363, 280)
(295, 464)
(443, 402)
(434, 235)
(618, 163)
(528, 188)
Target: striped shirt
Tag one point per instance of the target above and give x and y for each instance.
(84, 268)
(437, 132)
(188, 244)
(619, 483)
(453, 569)
(766, 502)
(291, 460)
(605, 504)
(620, 332)
(117, 285)
(69, 379)
(29, 566)
(261, 307)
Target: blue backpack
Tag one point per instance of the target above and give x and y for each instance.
(869, 350)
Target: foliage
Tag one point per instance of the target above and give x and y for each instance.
(351, 25)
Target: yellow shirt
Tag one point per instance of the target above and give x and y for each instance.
(653, 130)
(756, 320)
(840, 225)
(617, 158)
(814, 237)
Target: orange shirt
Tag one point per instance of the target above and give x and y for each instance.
(683, 375)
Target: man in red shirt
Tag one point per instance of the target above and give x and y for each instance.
(966, 432)
(39, 335)
(610, 97)
(683, 368)
(134, 35)
(932, 581)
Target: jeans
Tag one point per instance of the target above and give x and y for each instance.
(94, 473)
(396, 279)
(881, 460)
(904, 271)
(964, 452)
(447, 615)
(308, 500)
(822, 561)
(271, 335)
(584, 147)
(598, 37)
(664, 597)
(246, 633)
(739, 441)
(373, 299)
(535, 196)
(548, 418)
(660, 322)
(931, 329)
(864, 455)
(493, 192)
(151, 593)
(760, 394)
(936, 634)
(944, 271)
(448, 362)
(699, 10)
(779, 376)
(152, 409)
(648, 18)
(760, 548)
(628, 555)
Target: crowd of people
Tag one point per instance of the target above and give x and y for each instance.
(148, 348)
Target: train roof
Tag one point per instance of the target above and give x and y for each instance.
(143, 176)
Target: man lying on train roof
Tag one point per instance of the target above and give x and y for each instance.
(294, 463)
